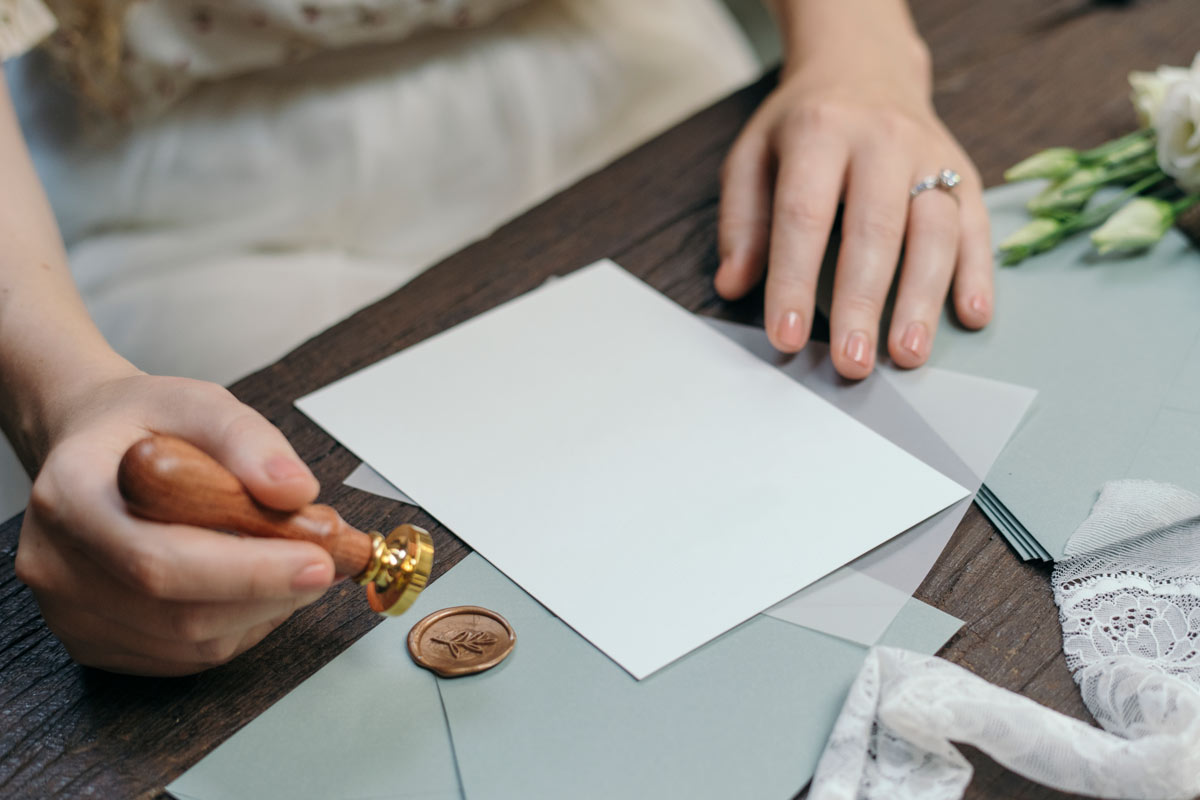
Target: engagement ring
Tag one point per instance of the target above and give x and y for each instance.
(945, 180)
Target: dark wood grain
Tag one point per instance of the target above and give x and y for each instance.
(1011, 77)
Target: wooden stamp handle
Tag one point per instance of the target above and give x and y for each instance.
(166, 479)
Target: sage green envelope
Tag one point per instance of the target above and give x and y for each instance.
(746, 715)
(1113, 347)
(369, 724)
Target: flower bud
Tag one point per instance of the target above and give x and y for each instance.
(1068, 195)
(1131, 152)
(1034, 237)
(1054, 163)
(1137, 225)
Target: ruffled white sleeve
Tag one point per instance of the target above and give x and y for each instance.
(23, 24)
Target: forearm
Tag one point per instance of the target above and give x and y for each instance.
(848, 32)
(49, 348)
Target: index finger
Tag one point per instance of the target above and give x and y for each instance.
(170, 562)
(244, 441)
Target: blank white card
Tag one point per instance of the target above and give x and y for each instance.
(724, 486)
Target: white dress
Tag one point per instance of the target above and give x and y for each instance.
(256, 210)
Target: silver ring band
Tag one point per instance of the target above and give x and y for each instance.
(945, 180)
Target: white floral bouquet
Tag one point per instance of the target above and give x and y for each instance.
(1158, 166)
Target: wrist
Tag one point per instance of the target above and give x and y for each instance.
(853, 36)
(41, 399)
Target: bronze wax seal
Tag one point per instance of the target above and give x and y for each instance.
(461, 641)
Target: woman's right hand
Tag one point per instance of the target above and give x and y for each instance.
(141, 597)
(122, 593)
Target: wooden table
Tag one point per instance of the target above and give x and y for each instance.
(1012, 77)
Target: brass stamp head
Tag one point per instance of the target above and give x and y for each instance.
(398, 569)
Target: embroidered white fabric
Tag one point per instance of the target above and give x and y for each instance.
(1128, 595)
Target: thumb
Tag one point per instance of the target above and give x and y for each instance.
(247, 445)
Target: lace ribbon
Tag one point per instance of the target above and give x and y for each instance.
(1128, 595)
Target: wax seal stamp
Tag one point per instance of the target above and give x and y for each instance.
(461, 641)
(166, 479)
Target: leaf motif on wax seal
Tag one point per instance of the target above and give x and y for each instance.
(460, 642)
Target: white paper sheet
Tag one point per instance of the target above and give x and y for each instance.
(505, 426)
(973, 416)
(845, 603)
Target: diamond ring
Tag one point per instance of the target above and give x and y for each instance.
(945, 180)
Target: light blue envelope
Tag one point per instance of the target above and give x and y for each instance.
(1113, 347)
(744, 716)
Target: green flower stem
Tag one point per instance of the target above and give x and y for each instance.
(1042, 234)
(1143, 167)
(1106, 149)
(1067, 197)
(1094, 216)
(1138, 150)
(1059, 164)
(1183, 204)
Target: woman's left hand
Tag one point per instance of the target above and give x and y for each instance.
(855, 125)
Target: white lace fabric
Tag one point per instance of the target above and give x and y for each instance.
(1129, 601)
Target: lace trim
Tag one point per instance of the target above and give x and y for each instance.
(1129, 603)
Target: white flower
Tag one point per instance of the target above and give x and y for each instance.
(1177, 124)
(1139, 224)
(1149, 89)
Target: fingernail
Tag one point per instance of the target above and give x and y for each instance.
(791, 331)
(719, 275)
(916, 337)
(314, 576)
(857, 345)
(979, 305)
(284, 468)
